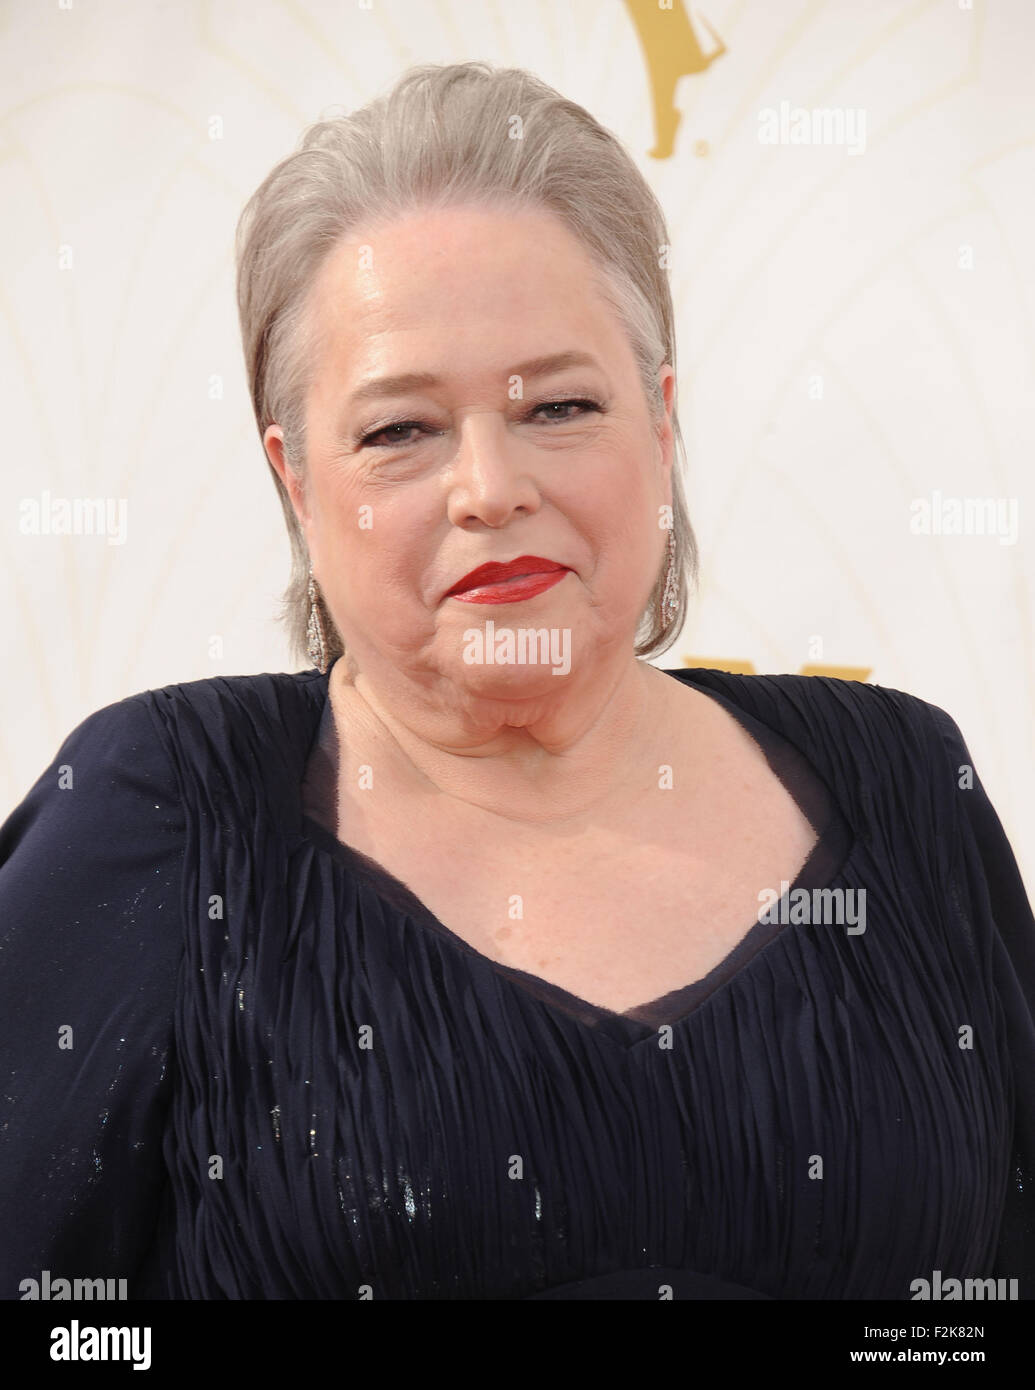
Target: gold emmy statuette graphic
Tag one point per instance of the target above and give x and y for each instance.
(737, 667)
(672, 51)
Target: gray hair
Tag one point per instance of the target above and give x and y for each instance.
(440, 137)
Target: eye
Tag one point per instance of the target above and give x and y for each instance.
(404, 425)
(395, 434)
(585, 405)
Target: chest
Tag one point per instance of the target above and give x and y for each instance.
(616, 915)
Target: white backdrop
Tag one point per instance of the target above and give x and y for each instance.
(855, 331)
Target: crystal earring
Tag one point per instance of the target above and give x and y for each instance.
(670, 597)
(315, 629)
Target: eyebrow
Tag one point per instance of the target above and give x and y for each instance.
(414, 381)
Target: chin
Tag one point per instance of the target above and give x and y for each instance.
(508, 657)
(517, 683)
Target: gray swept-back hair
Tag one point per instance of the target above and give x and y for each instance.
(444, 135)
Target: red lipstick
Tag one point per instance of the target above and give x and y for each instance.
(518, 579)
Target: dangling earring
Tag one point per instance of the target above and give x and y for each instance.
(670, 597)
(315, 630)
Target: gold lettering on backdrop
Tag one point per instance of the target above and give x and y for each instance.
(672, 51)
(747, 668)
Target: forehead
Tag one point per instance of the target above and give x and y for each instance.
(457, 277)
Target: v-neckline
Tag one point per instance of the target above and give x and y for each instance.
(825, 865)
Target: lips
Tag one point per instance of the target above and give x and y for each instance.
(493, 578)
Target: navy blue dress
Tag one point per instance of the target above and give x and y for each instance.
(241, 1060)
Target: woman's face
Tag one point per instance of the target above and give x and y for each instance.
(474, 400)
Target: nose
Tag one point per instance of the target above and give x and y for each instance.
(489, 481)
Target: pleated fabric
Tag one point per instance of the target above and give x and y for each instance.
(357, 1103)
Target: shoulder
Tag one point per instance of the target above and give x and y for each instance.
(826, 706)
(91, 861)
(239, 744)
(134, 725)
(226, 718)
(247, 737)
(110, 760)
(154, 749)
(108, 800)
(888, 754)
(279, 700)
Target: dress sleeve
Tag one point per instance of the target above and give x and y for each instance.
(90, 945)
(997, 896)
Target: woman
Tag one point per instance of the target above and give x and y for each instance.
(438, 970)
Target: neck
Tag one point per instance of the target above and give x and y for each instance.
(540, 761)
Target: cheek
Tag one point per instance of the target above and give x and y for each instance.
(379, 545)
(347, 512)
(337, 500)
(620, 516)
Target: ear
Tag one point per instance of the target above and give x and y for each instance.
(663, 429)
(273, 443)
